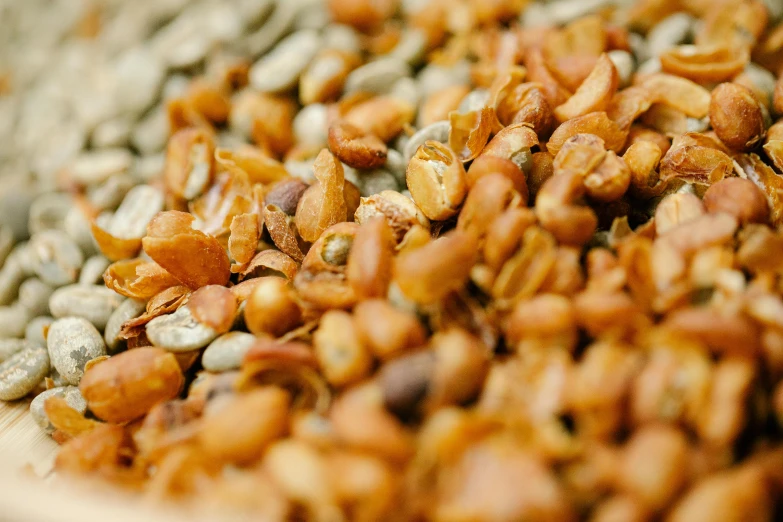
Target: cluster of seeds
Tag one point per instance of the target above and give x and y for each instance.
(404, 260)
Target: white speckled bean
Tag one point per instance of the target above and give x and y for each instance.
(22, 372)
(227, 351)
(72, 343)
(72, 396)
(179, 332)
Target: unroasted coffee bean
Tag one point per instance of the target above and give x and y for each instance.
(34, 331)
(34, 296)
(11, 276)
(227, 351)
(93, 269)
(109, 194)
(16, 197)
(97, 166)
(179, 332)
(377, 77)
(13, 319)
(9, 347)
(22, 372)
(138, 208)
(48, 212)
(438, 131)
(56, 258)
(77, 226)
(72, 396)
(92, 302)
(72, 343)
(280, 69)
(129, 309)
(6, 242)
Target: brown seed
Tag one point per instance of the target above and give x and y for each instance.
(271, 308)
(343, 358)
(128, 385)
(285, 194)
(739, 197)
(436, 179)
(737, 117)
(469, 132)
(369, 265)
(356, 148)
(653, 466)
(239, 430)
(400, 212)
(675, 209)
(385, 330)
(214, 306)
(195, 258)
(431, 272)
(734, 494)
(323, 204)
(189, 164)
(593, 94)
(361, 14)
(243, 240)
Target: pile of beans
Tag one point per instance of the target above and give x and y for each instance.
(452, 260)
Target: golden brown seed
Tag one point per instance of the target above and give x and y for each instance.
(597, 123)
(654, 465)
(324, 78)
(385, 330)
(361, 421)
(343, 358)
(527, 104)
(461, 364)
(437, 181)
(486, 165)
(594, 94)
(437, 106)
(778, 97)
(485, 201)
(361, 14)
(214, 306)
(382, 116)
(569, 223)
(356, 148)
(642, 158)
(193, 257)
(241, 429)
(285, 194)
(704, 64)
(541, 170)
(469, 132)
(271, 308)
(544, 315)
(737, 117)
(610, 180)
(399, 211)
(128, 385)
(675, 209)
(243, 240)
(438, 268)
(505, 234)
(733, 494)
(369, 268)
(189, 164)
(739, 197)
(323, 204)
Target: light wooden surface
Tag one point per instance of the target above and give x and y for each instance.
(22, 442)
(23, 499)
